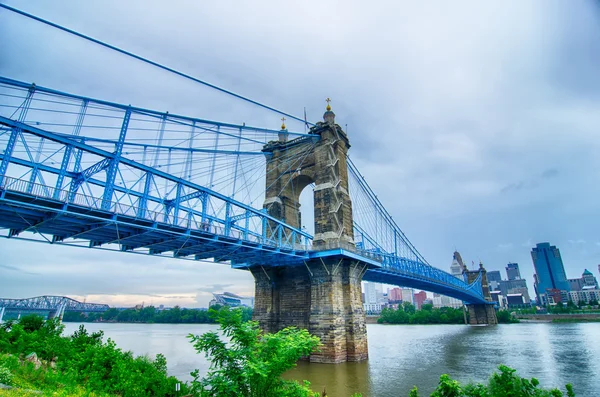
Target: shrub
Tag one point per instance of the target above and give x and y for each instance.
(251, 363)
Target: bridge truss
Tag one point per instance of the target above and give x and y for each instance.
(80, 171)
(51, 303)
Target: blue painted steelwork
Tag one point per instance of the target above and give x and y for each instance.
(110, 196)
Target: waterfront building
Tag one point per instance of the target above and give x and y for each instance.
(494, 279)
(420, 298)
(585, 295)
(372, 308)
(232, 300)
(549, 271)
(512, 271)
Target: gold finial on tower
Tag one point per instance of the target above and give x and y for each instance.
(283, 123)
(328, 105)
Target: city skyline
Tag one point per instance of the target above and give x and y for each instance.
(487, 124)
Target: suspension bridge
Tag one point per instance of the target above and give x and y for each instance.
(83, 171)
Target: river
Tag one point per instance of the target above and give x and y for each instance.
(401, 356)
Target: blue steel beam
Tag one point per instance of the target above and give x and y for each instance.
(91, 149)
(134, 109)
(111, 173)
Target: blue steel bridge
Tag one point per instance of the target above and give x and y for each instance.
(81, 171)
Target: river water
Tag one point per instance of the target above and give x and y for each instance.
(401, 356)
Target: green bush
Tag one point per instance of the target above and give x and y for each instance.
(82, 361)
(251, 363)
(6, 376)
(502, 384)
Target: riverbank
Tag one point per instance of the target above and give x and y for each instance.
(559, 318)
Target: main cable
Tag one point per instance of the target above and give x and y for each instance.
(150, 62)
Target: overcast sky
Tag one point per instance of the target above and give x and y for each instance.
(476, 123)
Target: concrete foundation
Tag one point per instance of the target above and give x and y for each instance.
(324, 297)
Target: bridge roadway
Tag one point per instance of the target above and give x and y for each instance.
(65, 223)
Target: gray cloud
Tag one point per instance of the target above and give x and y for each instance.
(474, 122)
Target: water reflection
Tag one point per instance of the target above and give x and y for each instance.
(402, 356)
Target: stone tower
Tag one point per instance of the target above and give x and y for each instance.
(320, 159)
(481, 313)
(324, 294)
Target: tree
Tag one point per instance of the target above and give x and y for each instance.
(409, 307)
(502, 384)
(250, 363)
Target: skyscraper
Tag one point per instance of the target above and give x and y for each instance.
(549, 270)
(512, 271)
(494, 278)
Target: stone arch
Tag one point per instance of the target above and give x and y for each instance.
(319, 158)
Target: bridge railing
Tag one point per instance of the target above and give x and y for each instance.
(84, 200)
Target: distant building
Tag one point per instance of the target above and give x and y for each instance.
(549, 271)
(370, 293)
(446, 301)
(586, 296)
(515, 300)
(588, 280)
(372, 308)
(407, 295)
(512, 271)
(456, 269)
(395, 295)
(518, 286)
(553, 296)
(374, 299)
(420, 298)
(232, 300)
(457, 266)
(575, 284)
(494, 279)
(498, 298)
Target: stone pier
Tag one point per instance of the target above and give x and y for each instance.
(322, 296)
(480, 314)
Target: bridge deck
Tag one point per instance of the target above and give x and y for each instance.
(20, 212)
